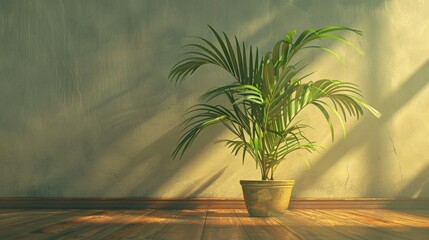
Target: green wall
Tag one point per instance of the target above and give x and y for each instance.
(87, 110)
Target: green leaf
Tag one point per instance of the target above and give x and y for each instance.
(289, 36)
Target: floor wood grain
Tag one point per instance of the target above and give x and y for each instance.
(300, 224)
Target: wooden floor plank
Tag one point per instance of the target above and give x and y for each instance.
(414, 212)
(188, 224)
(128, 217)
(147, 227)
(51, 217)
(343, 225)
(95, 226)
(264, 228)
(6, 213)
(223, 224)
(396, 217)
(57, 229)
(27, 216)
(372, 227)
(309, 229)
(393, 223)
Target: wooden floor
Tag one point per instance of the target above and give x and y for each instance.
(216, 224)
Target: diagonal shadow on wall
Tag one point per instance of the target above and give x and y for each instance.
(392, 104)
(417, 187)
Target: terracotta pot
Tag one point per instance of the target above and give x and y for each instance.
(267, 198)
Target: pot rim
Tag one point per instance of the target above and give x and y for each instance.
(267, 182)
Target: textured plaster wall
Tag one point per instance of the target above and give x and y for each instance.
(86, 108)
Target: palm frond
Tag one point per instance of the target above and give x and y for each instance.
(266, 95)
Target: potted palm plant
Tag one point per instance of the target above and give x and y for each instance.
(263, 102)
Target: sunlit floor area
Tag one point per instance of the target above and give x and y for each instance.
(213, 224)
